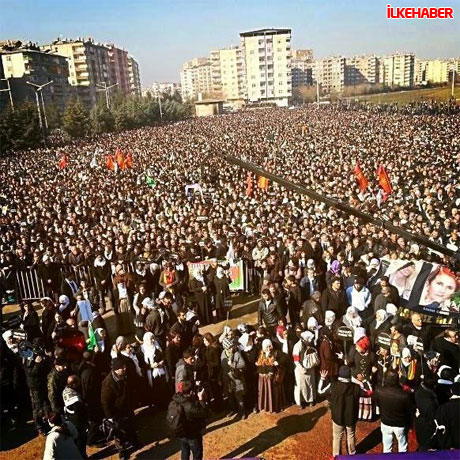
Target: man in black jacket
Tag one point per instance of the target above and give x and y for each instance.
(269, 312)
(193, 419)
(334, 298)
(91, 384)
(344, 400)
(395, 410)
(448, 420)
(118, 402)
(57, 380)
(37, 369)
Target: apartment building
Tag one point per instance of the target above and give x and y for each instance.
(89, 65)
(228, 75)
(329, 72)
(302, 67)
(267, 56)
(134, 76)
(25, 62)
(398, 70)
(119, 68)
(361, 70)
(196, 78)
(157, 89)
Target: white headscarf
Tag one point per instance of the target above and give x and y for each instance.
(313, 324)
(266, 343)
(385, 316)
(245, 342)
(329, 318)
(99, 339)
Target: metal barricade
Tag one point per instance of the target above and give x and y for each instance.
(30, 286)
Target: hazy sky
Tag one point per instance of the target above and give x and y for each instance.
(162, 34)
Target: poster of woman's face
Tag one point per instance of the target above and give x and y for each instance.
(440, 287)
(402, 274)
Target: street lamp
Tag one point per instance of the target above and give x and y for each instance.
(9, 91)
(106, 88)
(38, 89)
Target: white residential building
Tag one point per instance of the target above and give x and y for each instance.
(267, 56)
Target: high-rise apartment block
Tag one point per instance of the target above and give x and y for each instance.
(119, 68)
(92, 65)
(25, 62)
(302, 67)
(398, 70)
(432, 71)
(228, 74)
(134, 76)
(196, 77)
(267, 55)
(361, 70)
(329, 72)
(89, 65)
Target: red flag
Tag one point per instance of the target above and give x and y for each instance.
(262, 183)
(62, 162)
(249, 184)
(110, 162)
(129, 160)
(360, 177)
(384, 182)
(120, 159)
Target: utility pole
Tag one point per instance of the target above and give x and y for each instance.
(106, 88)
(44, 111)
(453, 82)
(317, 92)
(159, 103)
(38, 89)
(9, 91)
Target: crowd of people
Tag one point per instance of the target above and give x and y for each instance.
(100, 239)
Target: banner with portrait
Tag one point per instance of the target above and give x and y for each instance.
(234, 270)
(427, 288)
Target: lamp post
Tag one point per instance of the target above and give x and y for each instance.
(106, 88)
(38, 89)
(9, 91)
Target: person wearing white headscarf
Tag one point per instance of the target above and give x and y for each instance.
(351, 318)
(304, 355)
(157, 374)
(102, 352)
(10, 341)
(271, 369)
(381, 323)
(314, 327)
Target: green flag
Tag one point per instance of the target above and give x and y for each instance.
(92, 342)
(150, 182)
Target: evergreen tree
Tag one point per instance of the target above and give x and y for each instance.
(75, 120)
(102, 119)
(20, 129)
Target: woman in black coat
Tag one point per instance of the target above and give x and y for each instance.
(200, 295)
(222, 289)
(48, 321)
(380, 323)
(30, 322)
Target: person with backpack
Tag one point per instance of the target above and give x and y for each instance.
(186, 417)
(306, 360)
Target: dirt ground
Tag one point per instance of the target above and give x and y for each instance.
(292, 434)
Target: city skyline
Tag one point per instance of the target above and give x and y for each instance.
(163, 35)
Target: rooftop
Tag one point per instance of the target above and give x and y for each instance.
(255, 33)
